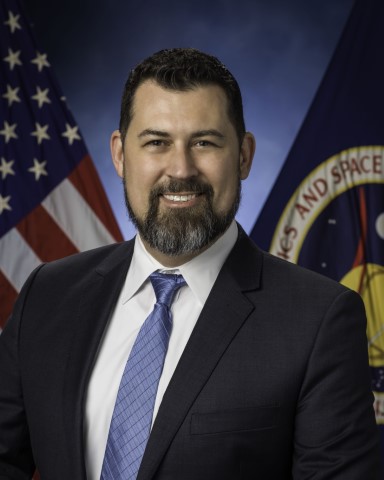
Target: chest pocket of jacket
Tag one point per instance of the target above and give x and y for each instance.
(247, 419)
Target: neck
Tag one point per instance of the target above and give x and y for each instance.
(171, 261)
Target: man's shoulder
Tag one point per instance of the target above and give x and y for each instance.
(291, 273)
(282, 273)
(80, 264)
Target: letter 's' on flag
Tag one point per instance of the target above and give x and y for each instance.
(52, 203)
(326, 209)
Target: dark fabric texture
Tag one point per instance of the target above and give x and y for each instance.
(272, 385)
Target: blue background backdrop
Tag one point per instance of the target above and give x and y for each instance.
(277, 50)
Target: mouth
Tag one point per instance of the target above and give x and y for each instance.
(180, 198)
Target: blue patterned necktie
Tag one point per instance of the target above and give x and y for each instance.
(132, 416)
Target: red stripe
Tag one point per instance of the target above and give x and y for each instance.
(86, 179)
(7, 298)
(44, 236)
(360, 258)
(363, 216)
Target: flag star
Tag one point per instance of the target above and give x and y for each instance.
(41, 96)
(40, 133)
(71, 133)
(6, 168)
(8, 131)
(13, 58)
(13, 22)
(41, 61)
(12, 95)
(4, 203)
(38, 169)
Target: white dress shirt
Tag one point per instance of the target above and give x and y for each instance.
(135, 303)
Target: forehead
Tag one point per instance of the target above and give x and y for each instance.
(154, 102)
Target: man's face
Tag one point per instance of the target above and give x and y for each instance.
(182, 165)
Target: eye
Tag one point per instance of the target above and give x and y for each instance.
(155, 143)
(205, 143)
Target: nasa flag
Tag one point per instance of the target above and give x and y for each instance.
(326, 209)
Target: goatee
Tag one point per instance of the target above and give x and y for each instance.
(180, 231)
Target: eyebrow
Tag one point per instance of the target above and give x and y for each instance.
(200, 133)
(154, 133)
(207, 133)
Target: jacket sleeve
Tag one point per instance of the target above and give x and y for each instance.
(16, 458)
(336, 437)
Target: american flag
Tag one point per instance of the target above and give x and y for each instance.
(52, 203)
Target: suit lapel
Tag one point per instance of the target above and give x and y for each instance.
(224, 313)
(98, 297)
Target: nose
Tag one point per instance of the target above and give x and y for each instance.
(181, 164)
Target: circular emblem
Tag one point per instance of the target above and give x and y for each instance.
(334, 224)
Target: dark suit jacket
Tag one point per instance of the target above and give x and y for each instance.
(273, 383)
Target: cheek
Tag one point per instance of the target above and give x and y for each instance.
(134, 187)
(142, 173)
(229, 187)
(225, 180)
(138, 184)
(225, 193)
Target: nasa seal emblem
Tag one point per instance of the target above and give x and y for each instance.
(334, 224)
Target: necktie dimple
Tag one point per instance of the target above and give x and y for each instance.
(132, 415)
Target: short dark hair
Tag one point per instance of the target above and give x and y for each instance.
(183, 69)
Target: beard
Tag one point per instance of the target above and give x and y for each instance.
(186, 230)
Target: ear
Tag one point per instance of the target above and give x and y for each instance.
(117, 152)
(247, 151)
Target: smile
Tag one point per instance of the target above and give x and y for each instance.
(180, 198)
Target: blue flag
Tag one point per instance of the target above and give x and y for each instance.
(326, 209)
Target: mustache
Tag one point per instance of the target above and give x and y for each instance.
(178, 186)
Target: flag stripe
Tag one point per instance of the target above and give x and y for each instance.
(7, 299)
(86, 180)
(43, 159)
(361, 248)
(44, 236)
(73, 214)
(14, 242)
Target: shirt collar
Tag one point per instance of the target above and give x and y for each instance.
(200, 273)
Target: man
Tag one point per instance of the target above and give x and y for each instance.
(266, 371)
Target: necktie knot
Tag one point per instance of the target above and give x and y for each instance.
(165, 286)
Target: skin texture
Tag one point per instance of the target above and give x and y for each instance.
(181, 136)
